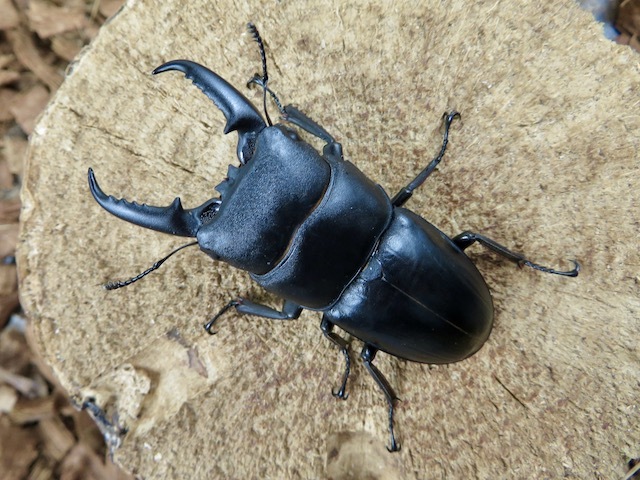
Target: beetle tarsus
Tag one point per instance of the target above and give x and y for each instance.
(327, 330)
(368, 354)
(209, 325)
(466, 239)
(405, 193)
(110, 428)
(565, 273)
(340, 393)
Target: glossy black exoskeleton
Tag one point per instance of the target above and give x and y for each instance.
(314, 230)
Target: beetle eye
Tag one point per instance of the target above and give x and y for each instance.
(210, 211)
(292, 134)
(246, 151)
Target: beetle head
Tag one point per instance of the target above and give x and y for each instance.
(242, 223)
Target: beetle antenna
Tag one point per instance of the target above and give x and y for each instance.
(155, 266)
(262, 81)
(257, 80)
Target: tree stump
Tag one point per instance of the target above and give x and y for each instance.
(544, 160)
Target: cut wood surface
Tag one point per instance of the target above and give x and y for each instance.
(544, 160)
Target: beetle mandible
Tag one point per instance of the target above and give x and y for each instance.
(314, 230)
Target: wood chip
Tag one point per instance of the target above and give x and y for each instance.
(9, 213)
(8, 304)
(84, 463)
(623, 39)
(108, 8)
(628, 19)
(14, 354)
(90, 32)
(66, 46)
(18, 450)
(28, 106)
(8, 15)
(7, 59)
(34, 410)
(27, 53)
(7, 180)
(57, 439)
(7, 98)
(8, 76)
(24, 385)
(8, 398)
(8, 239)
(47, 19)
(14, 148)
(42, 469)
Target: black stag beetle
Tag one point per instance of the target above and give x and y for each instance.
(314, 230)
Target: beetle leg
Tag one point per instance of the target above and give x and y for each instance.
(367, 355)
(404, 194)
(110, 428)
(327, 330)
(466, 239)
(298, 118)
(290, 311)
